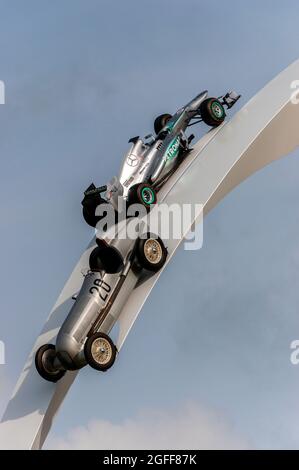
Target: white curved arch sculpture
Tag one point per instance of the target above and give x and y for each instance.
(265, 129)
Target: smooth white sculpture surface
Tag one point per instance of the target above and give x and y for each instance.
(265, 129)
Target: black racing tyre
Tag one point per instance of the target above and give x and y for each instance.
(151, 253)
(106, 258)
(44, 358)
(142, 193)
(100, 351)
(90, 203)
(212, 112)
(161, 121)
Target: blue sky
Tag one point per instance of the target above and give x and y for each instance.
(81, 78)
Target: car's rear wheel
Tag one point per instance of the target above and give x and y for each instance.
(144, 194)
(161, 121)
(100, 352)
(44, 363)
(151, 253)
(90, 204)
(212, 112)
(106, 258)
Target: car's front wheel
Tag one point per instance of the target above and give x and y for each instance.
(212, 112)
(44, 363)
(100, 351)
(161, 122)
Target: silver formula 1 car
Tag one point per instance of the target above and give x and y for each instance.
(150, 161)
(118, 262)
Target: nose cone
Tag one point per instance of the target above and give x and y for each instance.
(203, 94)
(67, 349)
(196, 102)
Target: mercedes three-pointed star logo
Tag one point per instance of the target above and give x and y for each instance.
(132, 160)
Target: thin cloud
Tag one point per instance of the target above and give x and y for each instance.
(190, 427)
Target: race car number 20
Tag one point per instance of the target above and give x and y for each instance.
(101, 289)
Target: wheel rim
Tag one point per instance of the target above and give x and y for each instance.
(101, 351)
(153, 251)
(147, 195)
(47, 362)
(217, 110)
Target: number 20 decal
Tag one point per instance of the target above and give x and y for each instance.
(101, 288)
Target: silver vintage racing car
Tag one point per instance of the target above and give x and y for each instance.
(116, 265)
